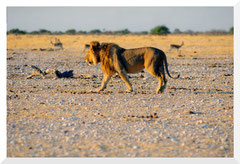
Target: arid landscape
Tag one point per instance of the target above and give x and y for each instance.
(60, 117)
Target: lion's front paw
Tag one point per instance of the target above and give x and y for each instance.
(97, 90)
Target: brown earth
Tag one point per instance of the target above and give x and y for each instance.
(61, 118)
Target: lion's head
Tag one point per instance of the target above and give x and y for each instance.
(92, 56)
(104, 54)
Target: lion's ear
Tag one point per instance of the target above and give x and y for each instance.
(95, 45)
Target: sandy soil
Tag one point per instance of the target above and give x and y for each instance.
(61, 118)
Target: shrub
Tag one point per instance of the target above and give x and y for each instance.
(71, 31)
(35, 32)
(177, 31)
(231, 31)
(125, 31)
(44, 31)
(216, 32)
(160, 30)
(16, 31)
(82, 32)
(189, 32)
(142, 32)
(57, 33)
(95, 31)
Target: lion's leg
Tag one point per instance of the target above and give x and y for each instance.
(122, 73)
(163, 80)
(162, 83)
(124, 77)
(158, 72)
(105, 80)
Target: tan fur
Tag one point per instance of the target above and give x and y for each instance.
(115, 59)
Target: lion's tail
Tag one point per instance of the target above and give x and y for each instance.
(166, 66)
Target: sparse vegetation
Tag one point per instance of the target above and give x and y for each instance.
(95, 31)
(231, 31)
(177, 31)
(125, 31)
(44, 31)
(16, 31)
(158, 30)
(71, 31)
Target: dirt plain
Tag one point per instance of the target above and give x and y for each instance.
(60, 117)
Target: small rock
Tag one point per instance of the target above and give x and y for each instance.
(205, 126)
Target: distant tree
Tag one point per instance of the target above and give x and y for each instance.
(34, 32)
(190, 32)
(70, 31)
(44, 31)
(177, 31)
(124, 31)
(16, 31)
(160, 30)
(143, 32)
(82, 32)
(57, 32)
(231, 31)
(108, 32)
(95, 31)
(216, 32)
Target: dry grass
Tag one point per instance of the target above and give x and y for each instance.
(194, 45)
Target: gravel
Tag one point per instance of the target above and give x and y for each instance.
(61, 118)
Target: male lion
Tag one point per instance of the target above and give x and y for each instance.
(116, 59)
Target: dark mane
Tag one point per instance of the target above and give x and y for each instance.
(106, 57)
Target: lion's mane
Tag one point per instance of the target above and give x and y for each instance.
(106, 57)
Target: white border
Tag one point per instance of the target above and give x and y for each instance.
(236, 81)
(6, 3)
(121, 3)
(3, 116)
(122, 160)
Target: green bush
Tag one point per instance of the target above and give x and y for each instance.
(231, 31)
(160, 30)
(82, 32)
(44, 31)
(95, 31)
(71, 31)
(125, 31)
(16, 31)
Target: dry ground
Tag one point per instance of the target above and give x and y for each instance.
(60, 118)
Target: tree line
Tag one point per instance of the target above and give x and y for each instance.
(158, 30)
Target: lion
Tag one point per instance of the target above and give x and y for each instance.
(115, 59)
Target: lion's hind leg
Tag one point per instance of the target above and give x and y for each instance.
(162, 84)
(158, 72)
(162, 79)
